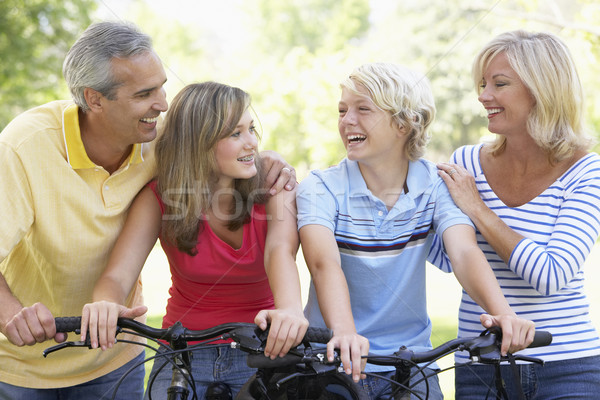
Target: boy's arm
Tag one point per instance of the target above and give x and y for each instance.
(477, 278)
(323, 260)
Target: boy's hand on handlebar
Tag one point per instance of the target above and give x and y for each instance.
(517, 333)
(100, 318)
(31, 325)
(352, 347)
(287, 329)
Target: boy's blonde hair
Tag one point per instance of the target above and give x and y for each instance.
(405, 94)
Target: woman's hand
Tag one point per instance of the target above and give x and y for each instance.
(287, 329)
(462, 188)
(517, 333)
(101, 319)
(352, 347)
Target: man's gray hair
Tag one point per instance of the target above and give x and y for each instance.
(88, 62)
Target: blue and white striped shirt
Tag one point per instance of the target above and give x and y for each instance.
(544, 278)
(383, 252)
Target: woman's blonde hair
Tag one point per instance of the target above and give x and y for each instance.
(405, 94)
(544, 64)
(199, 116)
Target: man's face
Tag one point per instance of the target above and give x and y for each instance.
(132, 115)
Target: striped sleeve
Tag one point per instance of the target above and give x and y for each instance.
(549, 268)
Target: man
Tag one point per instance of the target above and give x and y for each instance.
(69, 172)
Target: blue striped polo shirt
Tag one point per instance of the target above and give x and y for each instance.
(383, 252)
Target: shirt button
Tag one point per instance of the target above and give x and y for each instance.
(380, 213)
(106, 187)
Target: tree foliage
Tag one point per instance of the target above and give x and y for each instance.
(290, 55)
(34, 38)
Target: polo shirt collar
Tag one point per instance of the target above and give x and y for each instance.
(415, 180)
(76, 154)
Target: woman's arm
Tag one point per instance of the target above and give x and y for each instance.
(287, 322)
(461, 185)
(477, 278)
(125, 263)
(549, 267)
(323, 260)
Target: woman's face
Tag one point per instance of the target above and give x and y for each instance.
(235, 153)
(505, 97)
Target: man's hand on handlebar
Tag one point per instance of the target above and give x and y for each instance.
(31, 325)
(100, 319)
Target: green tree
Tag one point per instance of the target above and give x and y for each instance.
(293, 68)
(34, 38)
(445, 38)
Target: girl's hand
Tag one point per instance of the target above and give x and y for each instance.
(287, 329)
(101, 319)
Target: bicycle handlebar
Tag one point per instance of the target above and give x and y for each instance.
(485, 347)
(236, 330)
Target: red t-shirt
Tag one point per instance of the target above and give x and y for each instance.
(219, 284)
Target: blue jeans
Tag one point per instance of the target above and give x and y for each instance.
(218, 363)
(568, 379)
(131, 388)
(378, 388)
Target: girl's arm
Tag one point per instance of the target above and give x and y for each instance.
(323, 260)
(477, 278)
(125, 263)
(287, 322)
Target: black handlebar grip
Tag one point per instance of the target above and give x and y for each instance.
(541, 338)
(67, 324)
(262, 361)
(318, 335)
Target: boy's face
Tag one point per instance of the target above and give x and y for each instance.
(368, 132)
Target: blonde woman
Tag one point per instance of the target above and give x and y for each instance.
(533, 194)
(231, 247)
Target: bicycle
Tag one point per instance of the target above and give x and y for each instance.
(485, 348)
(270, 380)
(305, 372)
(246, 336)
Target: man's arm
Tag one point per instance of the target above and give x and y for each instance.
(25, 325)
(278, 173)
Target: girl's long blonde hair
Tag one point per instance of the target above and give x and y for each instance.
(199, 116)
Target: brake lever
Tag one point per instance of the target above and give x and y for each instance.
(64, 345)
(518, 357)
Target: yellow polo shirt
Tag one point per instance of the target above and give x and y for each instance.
(60, 216)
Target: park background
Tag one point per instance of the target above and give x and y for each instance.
(290, 55)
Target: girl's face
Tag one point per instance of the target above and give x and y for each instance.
(505, 97)
(235, 153)
(368, 132)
